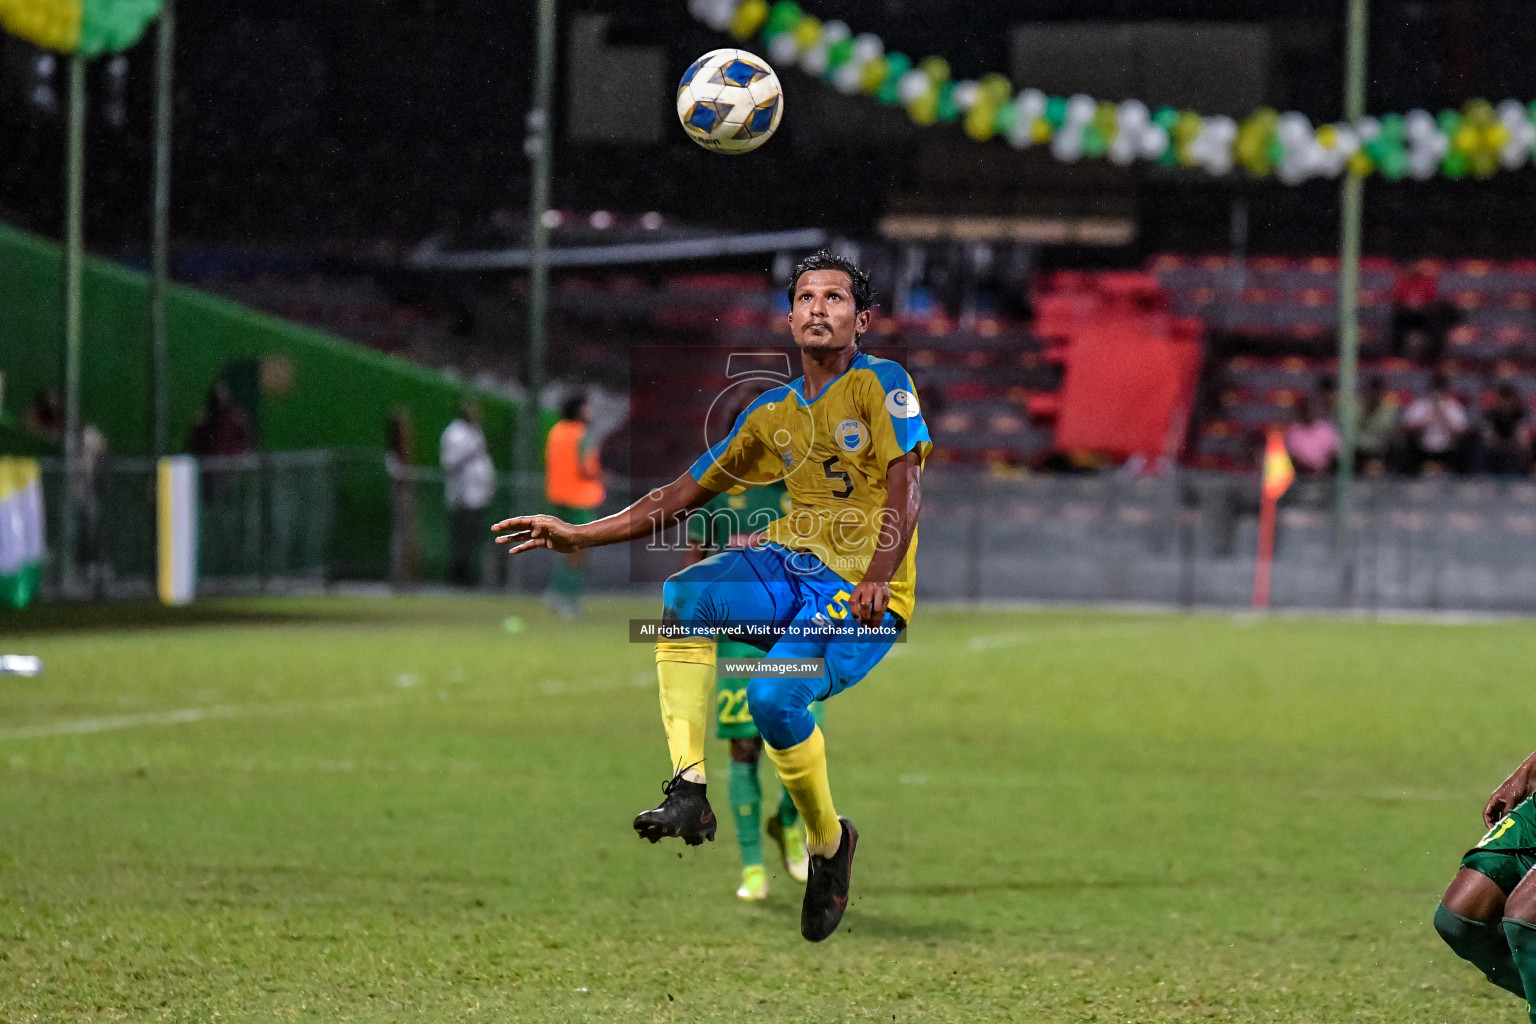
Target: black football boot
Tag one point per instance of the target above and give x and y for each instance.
(826, 891)
(685, 814)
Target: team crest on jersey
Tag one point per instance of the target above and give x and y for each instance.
(788, 457)
(851, 435)
(901, 403)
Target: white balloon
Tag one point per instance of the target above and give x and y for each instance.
(1422, 165)
(1293, 129)
(1367, 128)
(1031, 104)
(1067, 145)
(1514, 154)
(846, 80)
(835, 32)
(1220, 163)
(914, 85)
(1220, 127)
(720, 14)
(1418, 124)
(783, 49)
(1439, 144)
(965, 95)
(1021, 133)
(1512, 111)
(1153, 142)
(1123, 150)
(1080, 109)
(1289, 172)
(814, 60)
(866, 47)
(1348, 142)
(1132, 116)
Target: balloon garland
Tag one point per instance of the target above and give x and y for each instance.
(87, 27)
(1476, 140)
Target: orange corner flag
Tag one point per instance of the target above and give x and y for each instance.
(1278, 471)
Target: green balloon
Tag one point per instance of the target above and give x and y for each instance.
(1394, 164)
(948, 112)
(896, 65)
(837, 55)
(1449, 121)
(1093, 141)
(1056, 111)
(1167, 117)
(1454, 165)
(1275, 150)
(1007, 116)
(784, 16)
(1392, 127)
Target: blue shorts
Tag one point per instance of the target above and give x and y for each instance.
(770, 586)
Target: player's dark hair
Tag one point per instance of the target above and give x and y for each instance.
(570, 409)
(824, 260)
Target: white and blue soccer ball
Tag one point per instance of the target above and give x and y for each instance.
(730, 101)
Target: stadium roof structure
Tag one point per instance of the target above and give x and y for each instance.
(430, 255)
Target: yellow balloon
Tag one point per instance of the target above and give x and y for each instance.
(1040, 131)
(51, 24)
(925, 109)
(980, 121)
(1495, 137)
(997, 88)
(749, 18)
(1184, 131)
(1106, 118)
(1360, 164)
(1465, 139)
(873, 74)
(808, 33)
(1327, 136)
(936, 68)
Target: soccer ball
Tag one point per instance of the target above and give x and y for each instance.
(730, 101)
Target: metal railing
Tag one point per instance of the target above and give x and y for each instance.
(274, 523)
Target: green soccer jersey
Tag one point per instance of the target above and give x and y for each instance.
(729, 519)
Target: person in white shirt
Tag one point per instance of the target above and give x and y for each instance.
(469, 479)
(1436, 425)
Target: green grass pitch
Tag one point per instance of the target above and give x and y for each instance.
(355, 810)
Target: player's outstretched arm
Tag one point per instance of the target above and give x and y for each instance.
(1520, 784)
(654, 511)
(898, 520)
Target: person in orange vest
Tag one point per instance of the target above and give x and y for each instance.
(573, 484)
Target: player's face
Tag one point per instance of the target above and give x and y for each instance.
(822, 316)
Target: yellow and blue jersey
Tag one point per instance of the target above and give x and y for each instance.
(832, 452)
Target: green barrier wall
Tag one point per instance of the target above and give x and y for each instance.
(317, 390)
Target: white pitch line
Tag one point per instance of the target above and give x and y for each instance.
(184, 716)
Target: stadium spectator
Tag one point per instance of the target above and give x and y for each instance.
(1436, 425)
(1420, 318)
(1376, 449)
(1506, 435)
(573, 484)
(1312, 441)
(469, 479)
(222, 427)
(45, 416)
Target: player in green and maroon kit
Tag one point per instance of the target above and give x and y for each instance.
(1488, 915)
(733, 521)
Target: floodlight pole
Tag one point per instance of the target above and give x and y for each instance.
(1351, 210)
(526, 455)
(160, 233)
(74, 245)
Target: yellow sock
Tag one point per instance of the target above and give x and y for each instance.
(803, 769)
(686, 671)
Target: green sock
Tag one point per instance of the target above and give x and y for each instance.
(1522, 944)
(1482, 945)
(747, 808)
(568, 582)
(788, 816)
